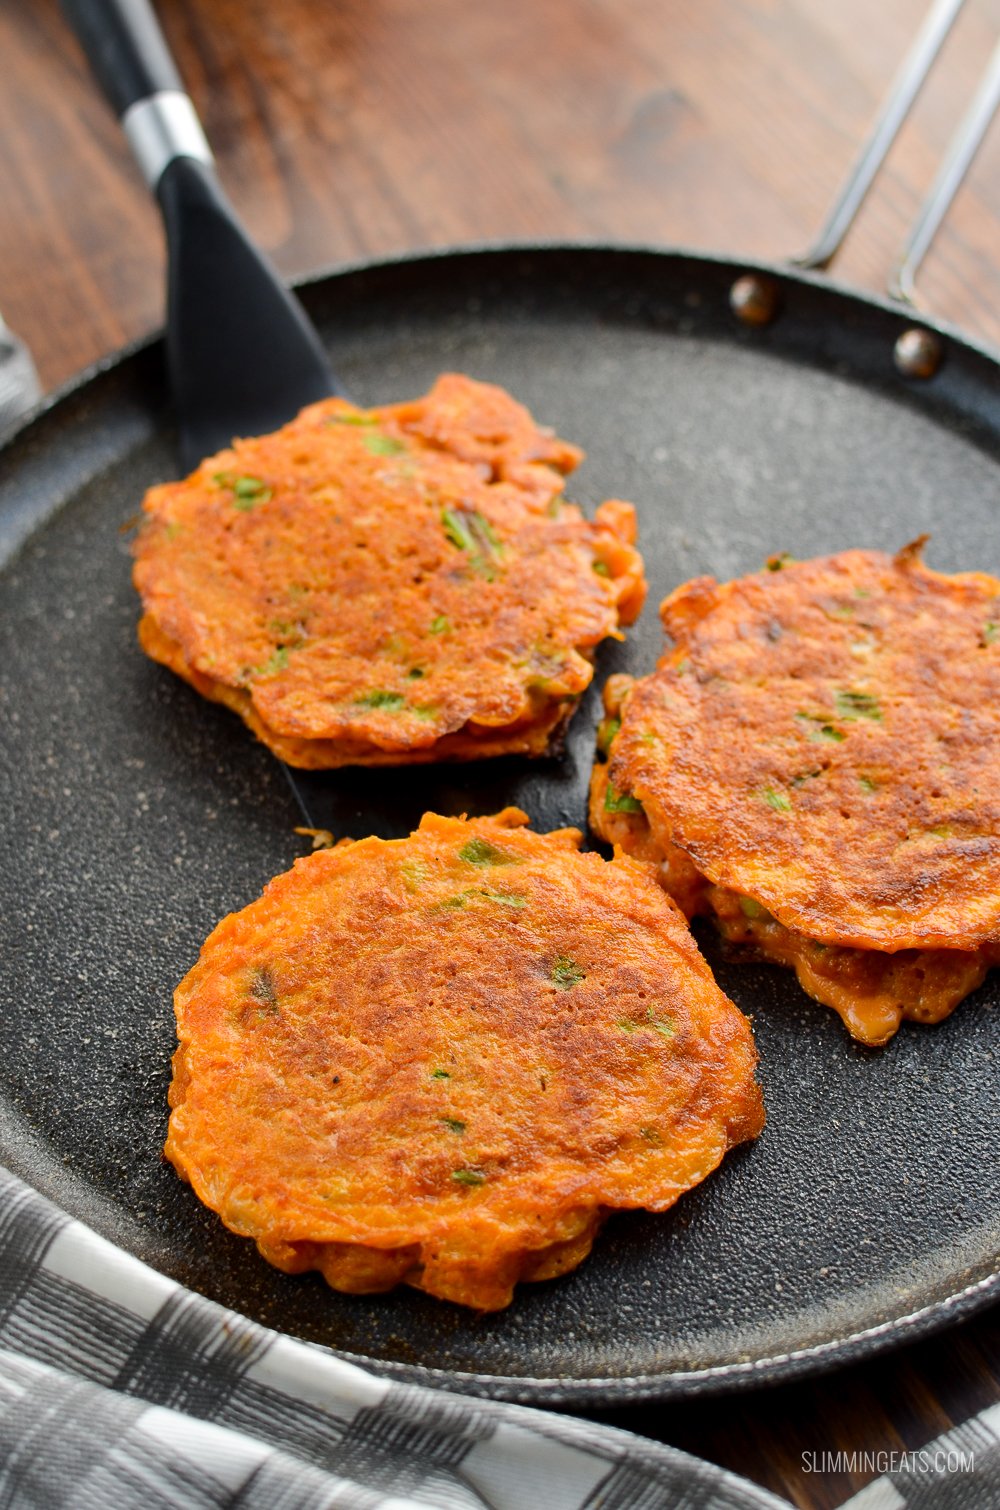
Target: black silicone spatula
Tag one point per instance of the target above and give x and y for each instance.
(243, 357)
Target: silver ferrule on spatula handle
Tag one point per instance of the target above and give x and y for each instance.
(132, 63)
(160, 129)
(885, 128)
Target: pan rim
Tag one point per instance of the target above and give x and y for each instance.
(470, 250)
(715, 1379)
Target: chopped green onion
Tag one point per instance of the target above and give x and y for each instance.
(247, 491)
(566, 973)
(481, 852)
(383, 445)
(776, 800)
(602, 569)
(391, 702)
(440, 1074)
(620, 802)
(817, 728)
(440, 625)
(606, 731)
(453, 1123)
(471, 532)
(468, 1176)
(854, 705)
(264, 989)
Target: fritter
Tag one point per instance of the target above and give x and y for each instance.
(388, 586)
(442, 1060)
(816, 762)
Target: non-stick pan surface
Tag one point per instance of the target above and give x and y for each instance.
(136, 815)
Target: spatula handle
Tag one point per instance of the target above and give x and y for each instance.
(125, 48)
(131, 61)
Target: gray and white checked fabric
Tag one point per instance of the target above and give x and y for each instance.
(19, 386)
(121, 1390)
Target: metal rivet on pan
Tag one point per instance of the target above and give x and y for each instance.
(754, 299)
(917, 353)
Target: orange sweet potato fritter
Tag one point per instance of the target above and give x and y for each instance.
(384, 586)
(442, 1060)
(816, 762)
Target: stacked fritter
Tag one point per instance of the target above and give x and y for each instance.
(387, 586)
(816, 763)
(442, 1060)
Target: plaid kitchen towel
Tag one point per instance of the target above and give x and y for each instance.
(119, 1388)
(19, 386)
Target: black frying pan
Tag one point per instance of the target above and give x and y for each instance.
(137, 814)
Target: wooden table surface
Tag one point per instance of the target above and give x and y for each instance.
(353, 128)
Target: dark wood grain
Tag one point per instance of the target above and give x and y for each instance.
(372, 126)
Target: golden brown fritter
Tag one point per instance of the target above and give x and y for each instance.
(442, 1060)
(388, 586)
(822, 746)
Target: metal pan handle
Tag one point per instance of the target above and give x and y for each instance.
(957, 160)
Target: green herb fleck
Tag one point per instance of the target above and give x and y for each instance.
(173, 529)
(246, 491)
(940, 831)
(414, 873)
(651, 1135)
(606, 731)
(440, 625)
(854, 705)
(383, 445)
(482, 852)
(506, 898)
(264, 988)
(453, 1123)
(426, 711)
(626, 1024)
(991, 630)
(753, 910)
(554, 506)
(468, 1177)
(567, 973)
(817, 728)
(665, 1029)
(602, 568)
(276, 662)
(867, 785)
(502, 898)
(620, 802)
(473, 533)
(776, 800)
(415, 673)
(779, 562)
(440, 1074)
(352, 419)
(390, 701)
(804, 776)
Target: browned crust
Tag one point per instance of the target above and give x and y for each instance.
(403, 583)
(417, 1062)
(824, 739)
